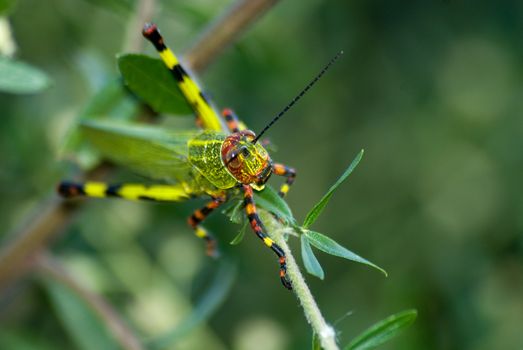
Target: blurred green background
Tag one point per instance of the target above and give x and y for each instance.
(432, 90)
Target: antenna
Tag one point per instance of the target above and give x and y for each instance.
(300, 95)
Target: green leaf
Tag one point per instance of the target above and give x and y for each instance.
(24, 339)
(269, 200)
(206, 306)
(315, 342)
(122, 7)
(235, 212)
(329, 246)
(113, 101)
(311, 263)
(6, 6)
(239, 237)
(383, 331)
(318, 208)
(20, 78)
(149, 79)
(83, 325)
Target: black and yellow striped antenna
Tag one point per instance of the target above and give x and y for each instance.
(299, 96)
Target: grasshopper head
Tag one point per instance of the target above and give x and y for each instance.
(248, 162)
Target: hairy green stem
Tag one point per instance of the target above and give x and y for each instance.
(320, 327)
(7, 42)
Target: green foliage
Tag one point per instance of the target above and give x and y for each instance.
(441, 117)
(322, 242)
(6, 6)
(383, 331)
(269, 200)
(315, 342)
(17, 340)
(112, 102)
(20, 78)
(123, 7)
(239, 237)
(311, 263)
(318, 208)
(154, 152)
(214, 296)
(148, 79)
(329, 246)
(84, 326)
(235, 211)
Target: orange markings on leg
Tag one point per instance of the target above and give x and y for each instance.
(199, 215)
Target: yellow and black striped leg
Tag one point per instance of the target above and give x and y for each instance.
(289, 173)
(168, 193)
(198, 216)
(200, 102)
(232, 121)
(259, 230)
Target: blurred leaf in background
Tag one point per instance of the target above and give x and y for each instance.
(20, 78)
(431, 90)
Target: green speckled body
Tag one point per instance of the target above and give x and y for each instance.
(205, 156)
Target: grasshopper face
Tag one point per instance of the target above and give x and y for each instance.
(248, 162)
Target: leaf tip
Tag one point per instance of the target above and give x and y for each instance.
(383, 271)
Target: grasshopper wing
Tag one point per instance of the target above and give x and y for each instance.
(149, 151)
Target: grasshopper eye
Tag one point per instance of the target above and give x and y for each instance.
(232, 159)
(234, 162)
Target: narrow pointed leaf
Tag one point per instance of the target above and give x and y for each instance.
(20, 78)
(269, 200)
(329, 246)
(149, 79)
(311, 263)
(383, 331)
(239, 237)
(84, 327)
(318, 208)
(235, 211)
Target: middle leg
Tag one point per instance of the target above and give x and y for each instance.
(289, 173)
(198, 216)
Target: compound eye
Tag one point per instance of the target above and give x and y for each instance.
(234, 161)
(244, 151)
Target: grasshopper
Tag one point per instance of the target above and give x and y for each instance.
(216, 160)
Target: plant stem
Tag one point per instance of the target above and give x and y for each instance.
(7, 42)
(320, 327)
(38, 229)
(144, 13)
(225, 30)
(53, 268)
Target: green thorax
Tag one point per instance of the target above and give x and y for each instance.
(205, 156)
